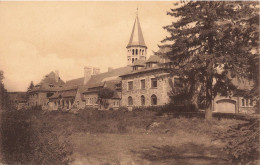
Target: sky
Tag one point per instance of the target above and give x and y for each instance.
(39, 37)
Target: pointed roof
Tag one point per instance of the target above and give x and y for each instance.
(137, 38)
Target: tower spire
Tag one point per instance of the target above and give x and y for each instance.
(136, 47)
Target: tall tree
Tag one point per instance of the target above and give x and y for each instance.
(31, 86)
(208, 40)
(28, 90)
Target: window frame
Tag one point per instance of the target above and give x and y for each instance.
(142, 100)
(132, 101)
(141, 84)
(152, 100)
(128, 85)
(152, 80)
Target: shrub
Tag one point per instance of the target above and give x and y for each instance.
(26, 140)
(123, 108)
(243, 142)
(111, 109)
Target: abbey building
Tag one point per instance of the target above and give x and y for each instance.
(144, 81)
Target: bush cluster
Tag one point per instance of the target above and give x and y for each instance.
(27, 140)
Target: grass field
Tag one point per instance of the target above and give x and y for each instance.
(105, 137)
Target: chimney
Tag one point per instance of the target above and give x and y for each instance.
(87, 74)
(57, 75)
(96, 70)
(110, 69)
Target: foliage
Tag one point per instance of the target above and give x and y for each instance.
(122, 108)
(243, 142)
(3, 93)
(104, 94)
(26, 140)
(209, 40)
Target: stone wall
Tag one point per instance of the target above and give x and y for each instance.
(161, 91)
(37, 99)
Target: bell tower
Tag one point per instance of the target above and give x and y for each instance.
(136, 48)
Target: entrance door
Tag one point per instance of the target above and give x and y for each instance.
(226, 106)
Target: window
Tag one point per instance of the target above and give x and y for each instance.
(251, 102)
(246, 102)
(142, 100)
(133, 60)
(153, 100)
(177, 82)
(130, 100)
(136, 51)
(149, 65)
(133, 51)
(143, 84)
(130, 85)
(153, 83)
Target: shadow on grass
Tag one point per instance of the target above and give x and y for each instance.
(185, 154)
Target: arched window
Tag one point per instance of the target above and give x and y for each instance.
(130, 100)
(143, 52)
(142, 100)
(136, 51)
(133, 60)
(133, 51)
(153, 100)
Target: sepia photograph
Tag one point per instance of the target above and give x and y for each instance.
(129, 82)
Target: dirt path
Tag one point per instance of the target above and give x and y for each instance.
(131, 149)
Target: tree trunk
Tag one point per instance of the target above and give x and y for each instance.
(208, 113)
(195, 96)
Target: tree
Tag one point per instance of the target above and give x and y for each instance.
(31, 86)
(3, 92)
(104, 94)
(210, 40)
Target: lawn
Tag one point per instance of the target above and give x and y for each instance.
(119, 137)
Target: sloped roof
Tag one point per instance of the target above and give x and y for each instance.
(139, 62)
(163, 50)
(49, 83)
(153, 59)
(100, 79)
(69, 93)
(51, 79)
(144, 70)
(55, 95)
(75, 82)
(137, 38)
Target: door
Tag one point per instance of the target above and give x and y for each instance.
(226, 106)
